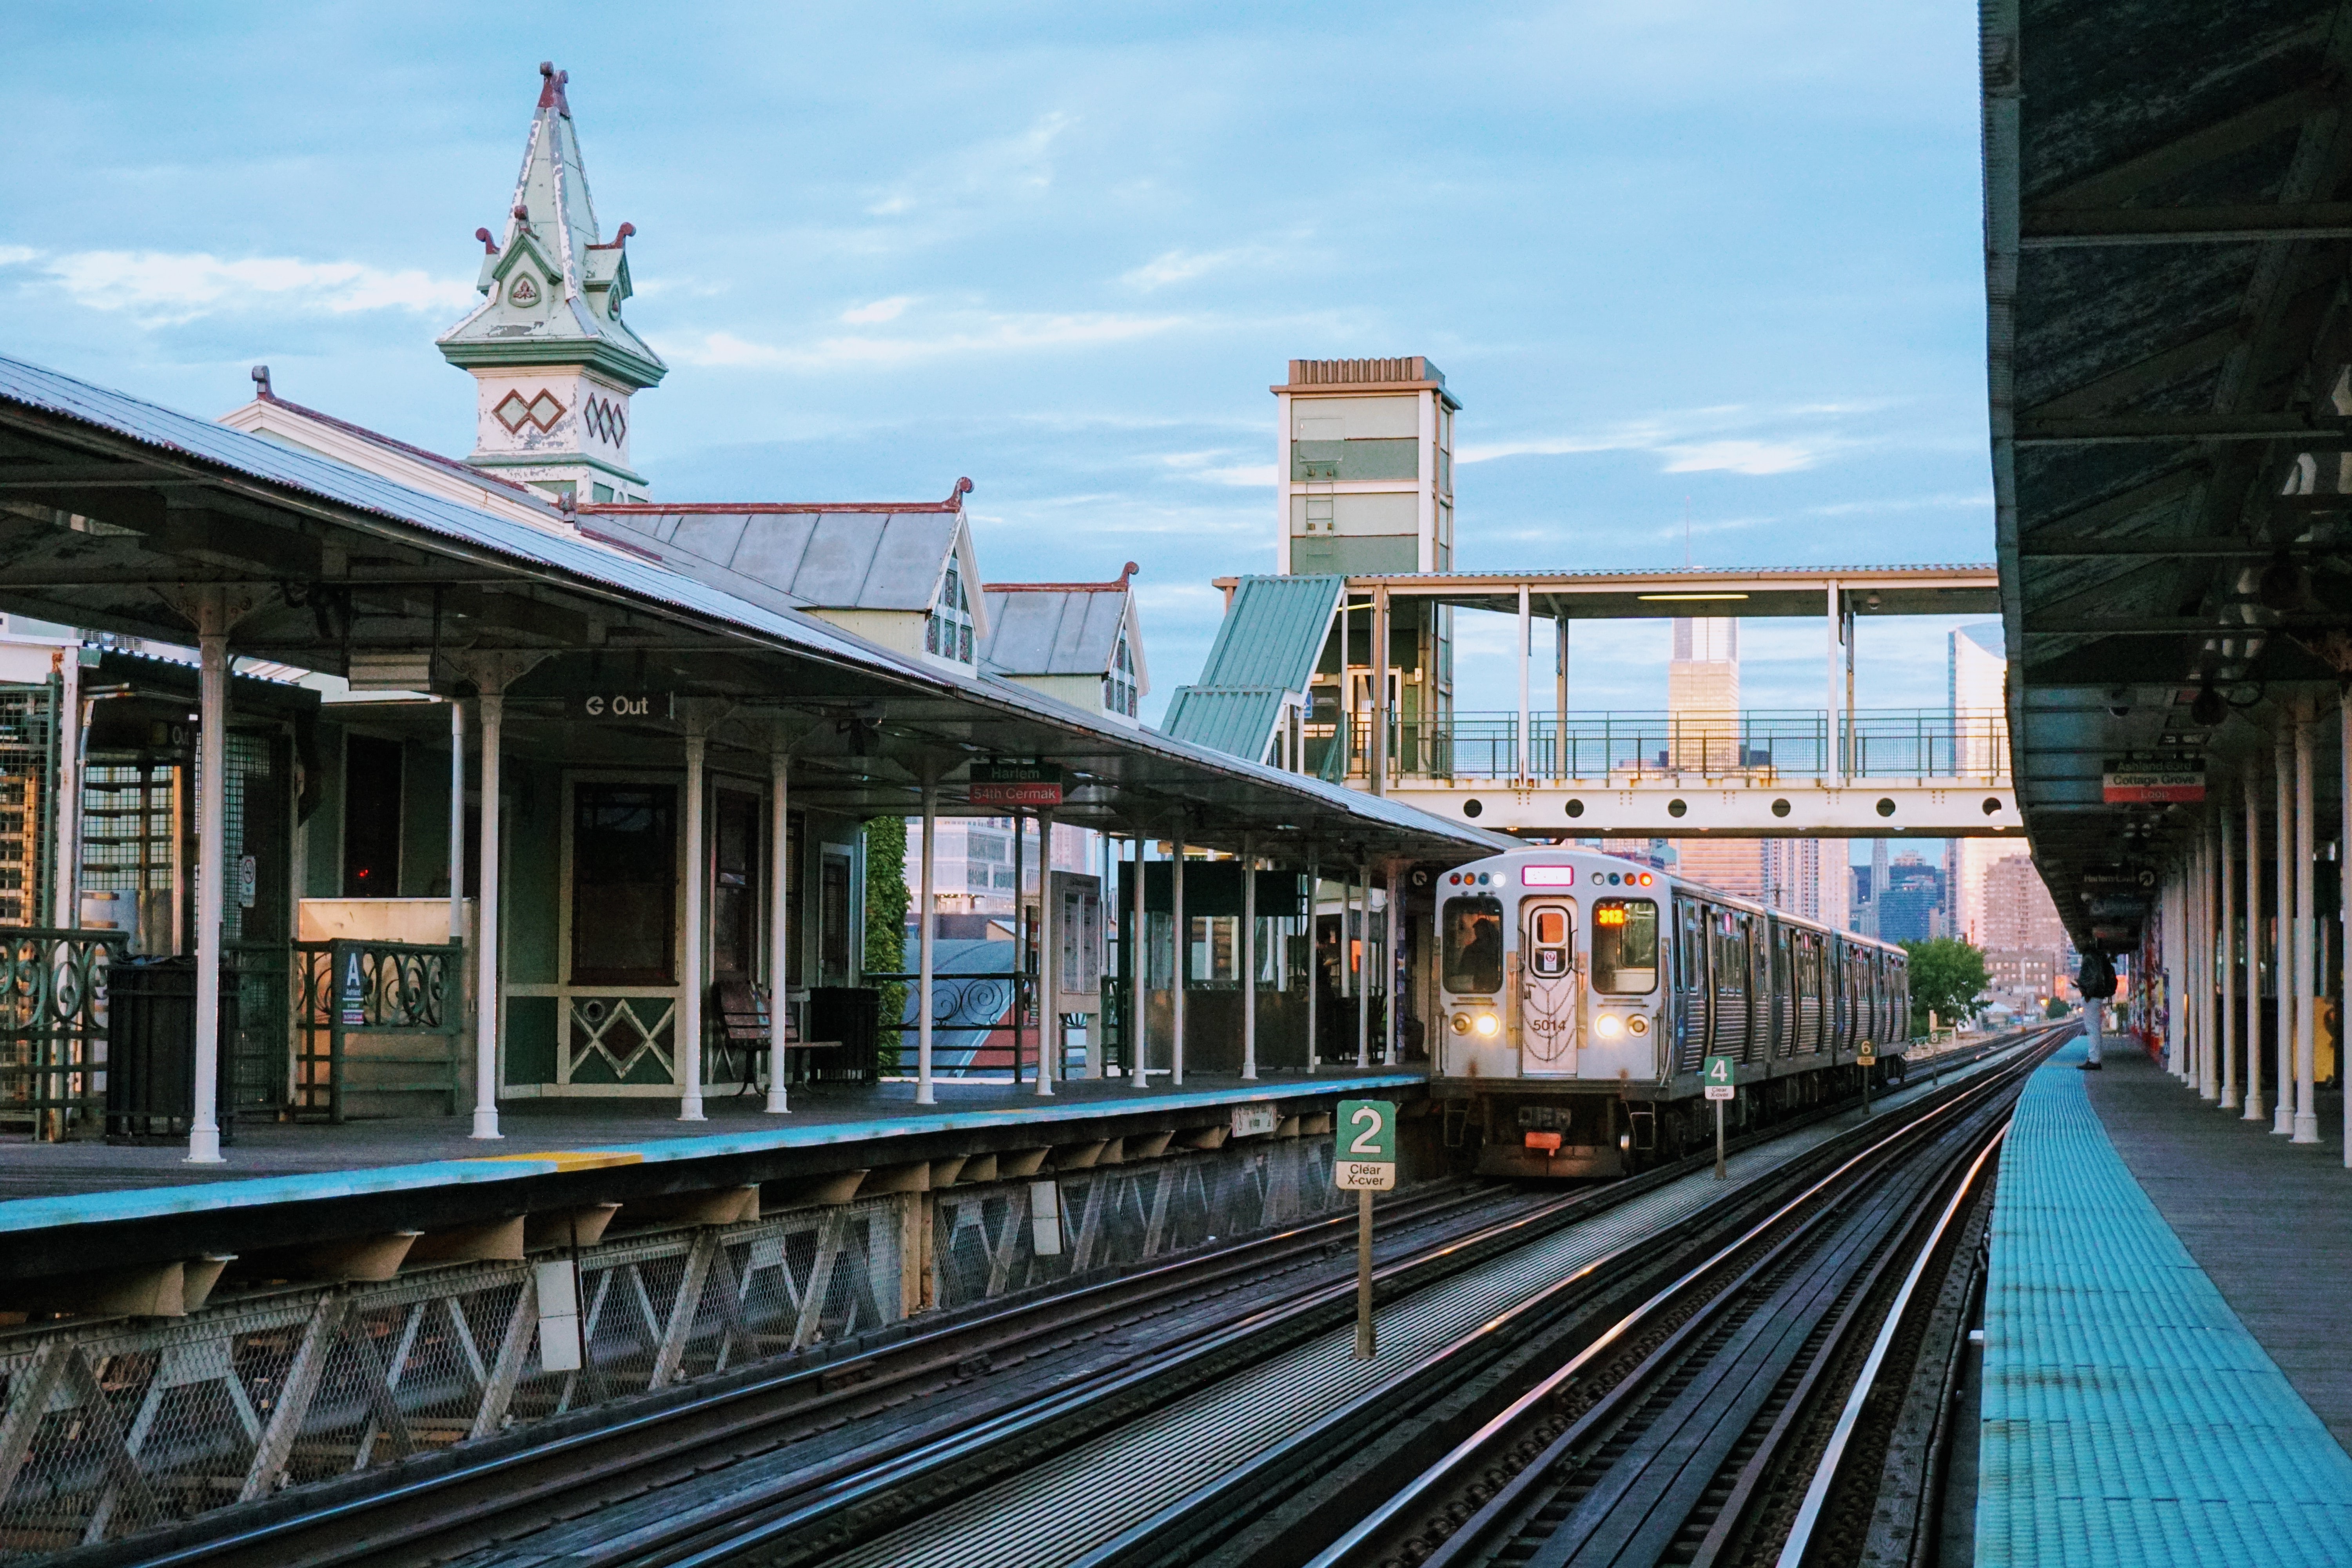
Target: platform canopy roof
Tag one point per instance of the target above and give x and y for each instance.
(2169, 228)
(116, 513)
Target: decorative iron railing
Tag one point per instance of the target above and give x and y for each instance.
(53, 1019)
(981, 1025)
(367, 1018)
(1925, 743)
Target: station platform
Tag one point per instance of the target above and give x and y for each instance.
(63, 1205)
(2150, 1391)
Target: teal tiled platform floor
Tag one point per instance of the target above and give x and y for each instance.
(2128, 1417)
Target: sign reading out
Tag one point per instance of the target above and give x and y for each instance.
(1021, 784)
(1363, 1151)
(1718, 1077)
(606, 706)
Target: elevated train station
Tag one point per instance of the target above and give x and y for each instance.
(462, 1087)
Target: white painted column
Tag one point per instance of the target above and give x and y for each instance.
(66, 814)
(1833, 757)
(2283, 930)
(2306, 930)
(212, 871)
(2226, 907)
(2175, 958)
(926, 925)
(456, 820)
(1022, 933)
(2255, 1103)
(1249, 960)
(492, 705)
(779, 945)
(1391, 953)
(2208, 1088)
(1313, 956)
(1183, 959)
(1049, 959)
(1524, 768)
(1138, 1049)
(689, 958)
(2344, 939)
(1363, 968)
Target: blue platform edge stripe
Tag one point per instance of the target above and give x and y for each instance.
(20, 1215)
(2128, 1417)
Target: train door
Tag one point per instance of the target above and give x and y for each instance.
(1808, 992)
(1783, 991)
(1691, 1001)
(1550, 1002)
(1729, 1035)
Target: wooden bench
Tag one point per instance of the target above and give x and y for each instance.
(741, 1014)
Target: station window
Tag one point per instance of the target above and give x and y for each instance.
(1474, 946)
(624, 884)
(1625, 946)
(1119, 686)
(948, 630)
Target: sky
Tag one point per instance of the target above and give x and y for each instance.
(1706, 279)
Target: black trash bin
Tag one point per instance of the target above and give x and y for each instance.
(150, 1051)
(849, 1014)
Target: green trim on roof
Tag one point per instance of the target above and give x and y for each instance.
(1273, 633)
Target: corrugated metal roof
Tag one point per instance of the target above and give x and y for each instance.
(1238, 720)
(186, 437)
(832, 561)
(168, 430)
(1273, 633)
(1054, 631)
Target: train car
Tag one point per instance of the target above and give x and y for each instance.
(1578, 994)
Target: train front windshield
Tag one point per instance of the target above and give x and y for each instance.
(1474, 946)
(1625, 946)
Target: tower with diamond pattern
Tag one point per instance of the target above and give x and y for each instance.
(553, 364)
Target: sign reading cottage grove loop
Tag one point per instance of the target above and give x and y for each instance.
(1363, 1148)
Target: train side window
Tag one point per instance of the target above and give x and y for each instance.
(1625, 946)
(1474, 946)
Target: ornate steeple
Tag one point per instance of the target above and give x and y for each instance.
(553, 363)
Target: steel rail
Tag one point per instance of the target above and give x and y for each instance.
(1445, 1474)
(828, 1494)
(1809, 1513)
(354, 1526)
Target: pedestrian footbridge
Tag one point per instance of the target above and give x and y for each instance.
(1915, 773)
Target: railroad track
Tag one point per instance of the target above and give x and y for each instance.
(914, 1503)
(1156, 1334)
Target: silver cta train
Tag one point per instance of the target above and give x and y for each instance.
(1579, 995)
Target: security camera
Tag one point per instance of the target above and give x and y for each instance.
(2119, 703)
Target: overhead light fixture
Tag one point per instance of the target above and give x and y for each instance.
(1685, 598)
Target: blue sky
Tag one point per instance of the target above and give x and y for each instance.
(1714, 261)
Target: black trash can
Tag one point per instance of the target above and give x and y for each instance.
(150, 1051)
(849, 1014)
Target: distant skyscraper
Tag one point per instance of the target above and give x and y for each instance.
(1977, 684)
(1703, 710)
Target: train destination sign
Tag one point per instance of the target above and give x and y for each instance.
(1030, 784)
(2144, 785)
(1363, 1153)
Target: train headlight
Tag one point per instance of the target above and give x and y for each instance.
(1461, 1023)
(1609, 1026)
(1488, 1025)
(1638, 1024)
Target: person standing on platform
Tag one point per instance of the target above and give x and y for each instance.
(2097, 980)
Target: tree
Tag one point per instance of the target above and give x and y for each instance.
(885, 931)
(2057, 1008)
(1948, 978)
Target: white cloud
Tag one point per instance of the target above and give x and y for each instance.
(167, 286)
(1018, 164)
(1254, 475)
(14, 254)
(991, 334)
(1743, 456)
(1702, 440)
(889, 310)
